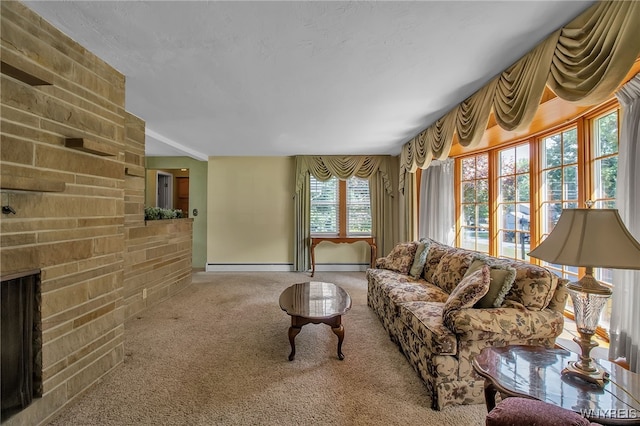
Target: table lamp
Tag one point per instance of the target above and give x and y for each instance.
(589, 238)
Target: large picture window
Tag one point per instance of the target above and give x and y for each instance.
(340, 208)
(532, 181)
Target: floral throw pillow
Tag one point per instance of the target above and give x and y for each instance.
(470, 290)
(435, 254)
(452, 267)
(502, 277)
(400, 259)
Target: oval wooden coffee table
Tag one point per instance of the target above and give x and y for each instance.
(318, 303)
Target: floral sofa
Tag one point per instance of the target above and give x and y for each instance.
(442, 305)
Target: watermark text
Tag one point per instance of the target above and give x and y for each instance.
(610, 413)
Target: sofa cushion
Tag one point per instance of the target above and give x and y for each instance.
(420, 259)
(424, 319)
(533, 287)
(400, 259)
(502, 277)
(379, 278)
(436, 251)
(416, 292)
(452, 267)
(468, 292)
(401, 288)
(505, 324)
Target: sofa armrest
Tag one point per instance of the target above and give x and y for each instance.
(506, 323)
(559, 299)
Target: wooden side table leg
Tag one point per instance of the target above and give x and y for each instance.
(313, 259)
(339, 331)
(374, 251)
(489, 394)
(293, 332)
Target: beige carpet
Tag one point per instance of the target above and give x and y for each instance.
(216, 354)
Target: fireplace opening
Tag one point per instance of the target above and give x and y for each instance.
(20, 341)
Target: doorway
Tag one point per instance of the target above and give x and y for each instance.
(165, 190)
(182, 194)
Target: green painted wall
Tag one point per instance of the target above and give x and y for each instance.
(198, 171)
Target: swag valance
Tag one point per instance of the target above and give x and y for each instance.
(343, 167)
(583, 62)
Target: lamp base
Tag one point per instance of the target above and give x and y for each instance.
(598, 377)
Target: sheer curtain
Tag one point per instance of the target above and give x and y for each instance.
(437, 203)
(625, 316)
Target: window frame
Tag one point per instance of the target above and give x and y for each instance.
(497, 176)
(342, 207)
(585, 125)
(461, 228)
(561, 270)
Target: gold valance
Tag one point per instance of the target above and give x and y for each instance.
(343, 167)
(583, 62)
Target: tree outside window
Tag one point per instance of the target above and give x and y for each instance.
(514, 194)
(474, 186)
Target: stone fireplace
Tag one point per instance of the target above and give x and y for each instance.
(72, 181)
(20, 341)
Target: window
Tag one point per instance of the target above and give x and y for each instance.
(532, 181)
(474, 193)
(358, 207)
(340, 208)
(605, 160)
(604, 150)
(324, 206)
(514, 207)
(559, 184)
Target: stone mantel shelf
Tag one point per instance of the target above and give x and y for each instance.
(24, 183)
(137, 171)
(91, 146)
(15, 71)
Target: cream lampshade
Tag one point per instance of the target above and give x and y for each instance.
(589, 238)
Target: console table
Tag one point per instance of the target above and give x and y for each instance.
(314, 241)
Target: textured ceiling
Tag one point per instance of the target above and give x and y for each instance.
(289, 78)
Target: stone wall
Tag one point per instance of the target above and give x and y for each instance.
(157, 262)
(72, 168)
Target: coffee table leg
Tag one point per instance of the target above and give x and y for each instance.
(489, 394)
(293, 332)
(339, 331)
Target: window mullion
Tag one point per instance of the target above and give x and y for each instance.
(493, 202)
(342, 203)
(535, 154)
(457, 188)
(585, 162)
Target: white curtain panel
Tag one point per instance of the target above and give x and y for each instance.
(437, 203)
(625, 316)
